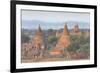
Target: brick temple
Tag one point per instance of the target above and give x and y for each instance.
(63, 42)
(36, 46)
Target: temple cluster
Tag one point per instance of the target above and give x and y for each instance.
(37, 46)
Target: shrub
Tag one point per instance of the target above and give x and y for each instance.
(79, 43)
(52, 39)
(73, 47)
(24, 38)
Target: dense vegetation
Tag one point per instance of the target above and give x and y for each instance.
(24, 38)
(79, 45)
(52, 39)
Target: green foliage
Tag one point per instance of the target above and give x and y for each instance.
(52, 39)
(73, 47)
(85, 47)
(75, 38)
(24, 38)
(81, 43)
(84, 40)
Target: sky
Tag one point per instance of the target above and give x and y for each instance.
(53, 17)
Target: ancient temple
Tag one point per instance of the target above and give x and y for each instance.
(38, 39)
(35, 48)
(38, 43)
(76, 28)
(63, 41)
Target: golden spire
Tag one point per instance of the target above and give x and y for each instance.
(39, 29)
(65, 31)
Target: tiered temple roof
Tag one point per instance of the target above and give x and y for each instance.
(63, 41)
(36, 45)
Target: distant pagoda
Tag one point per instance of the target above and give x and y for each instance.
(76, 28)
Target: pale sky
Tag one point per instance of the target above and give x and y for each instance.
(48, 16)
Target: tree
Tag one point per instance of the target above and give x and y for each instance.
(52, 39)
(24, 38)
(79, 42)
(85, 47)
(73, 47)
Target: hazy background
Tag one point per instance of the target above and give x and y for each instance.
(55, 20)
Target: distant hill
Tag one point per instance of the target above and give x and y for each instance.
(33, 24)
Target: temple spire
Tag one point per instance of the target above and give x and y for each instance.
(65, 31)
(39, 29)
(62, 43)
